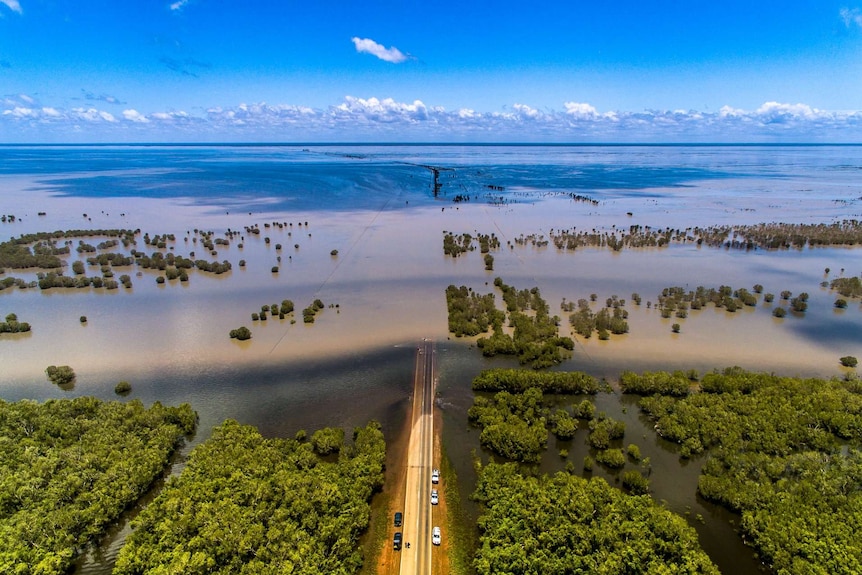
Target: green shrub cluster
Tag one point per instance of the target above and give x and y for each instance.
(519, 380)
(513, 425)
(535, 338)
(469, 313)
(12, 325)
(660, 382)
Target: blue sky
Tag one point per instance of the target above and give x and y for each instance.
(221, 70)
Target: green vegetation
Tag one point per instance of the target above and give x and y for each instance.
(515, 422)
(635, 482)
(68, 468)
(470, 313)
(535, 339)
(603, 431)
(329, 440)
(12, 325)
(489, 262)
(123, 388)
(613, 458)
(848, 287)
(309, 313)
(610, 319)
(60, 375)
(566, 524)
(456, 245)
(513, 425)
(849, 361)
(240, 333)
(677, 383)
(784, 453)
(245, 504)
(769, 236)
(519, 380)
(41, 250)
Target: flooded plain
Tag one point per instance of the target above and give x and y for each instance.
(384, 289)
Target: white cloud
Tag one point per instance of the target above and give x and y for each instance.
(580, 110)
(851, 16)
(20, 112)
(386, 119)
(386, 110)
(92, 115)
(178, 5)
(526, 112)
(369, 46)
(13, 5)
(135, 116)
(778, 112)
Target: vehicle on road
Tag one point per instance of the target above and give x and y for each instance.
(434, 498)
(435, 536)
(399, 518)
(435, 476)
(396, 541)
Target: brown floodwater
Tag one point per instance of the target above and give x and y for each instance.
(387, 281)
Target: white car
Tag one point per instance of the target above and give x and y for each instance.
(435, 476)
(435, 536)
(434, 498)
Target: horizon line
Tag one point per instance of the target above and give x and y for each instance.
(426, 144)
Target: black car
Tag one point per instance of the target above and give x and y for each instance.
(396, 541)
(399, 517)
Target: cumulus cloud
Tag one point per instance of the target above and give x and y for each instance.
(369, 46)
(133, 115)
(178, 5)
(386, 110)
(386, 119)
(93, 115)
(851, 17)
(13, 5)
(580, 110)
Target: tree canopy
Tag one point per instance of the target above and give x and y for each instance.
(249, 505)
(68, 468)
(567, 524)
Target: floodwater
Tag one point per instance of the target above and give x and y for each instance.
(384, 290)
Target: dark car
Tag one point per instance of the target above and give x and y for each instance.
(396, 541)
(399, 517)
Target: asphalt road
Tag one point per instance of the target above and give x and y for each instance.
(417, 505)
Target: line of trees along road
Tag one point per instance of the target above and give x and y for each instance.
(249, 505)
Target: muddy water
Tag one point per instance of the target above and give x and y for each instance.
(389, 277)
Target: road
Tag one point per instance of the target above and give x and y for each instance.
(417, 504)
